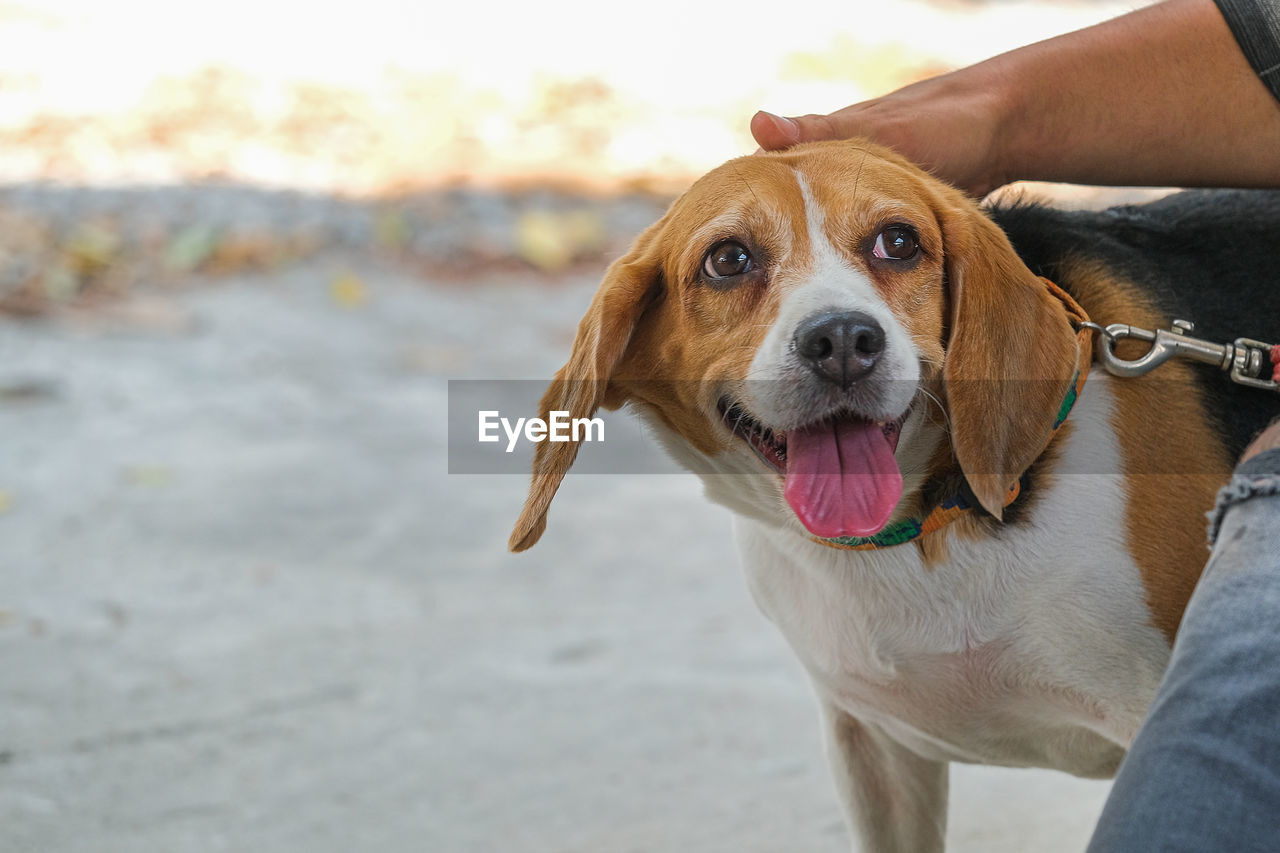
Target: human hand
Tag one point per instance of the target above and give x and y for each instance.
(1162, 96)
(949, 125)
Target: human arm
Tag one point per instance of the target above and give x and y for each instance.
(1162, 96)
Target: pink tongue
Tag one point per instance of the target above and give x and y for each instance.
(842, 479)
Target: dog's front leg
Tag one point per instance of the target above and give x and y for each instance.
(894, 800)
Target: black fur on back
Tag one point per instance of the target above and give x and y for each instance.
(1209, 256)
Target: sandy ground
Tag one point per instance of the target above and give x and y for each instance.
(244, 607)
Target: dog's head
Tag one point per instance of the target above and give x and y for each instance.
(835, 323)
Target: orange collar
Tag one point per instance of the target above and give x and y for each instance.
(908, 529)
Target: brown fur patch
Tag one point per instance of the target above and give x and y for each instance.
(1165, 521)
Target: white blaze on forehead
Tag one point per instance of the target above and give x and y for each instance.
(826, 259)
(827, 282)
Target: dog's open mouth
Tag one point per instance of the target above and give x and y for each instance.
(840, 475)
(771, 447)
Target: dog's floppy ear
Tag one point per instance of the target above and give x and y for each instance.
(1011, 356)
(580, 387)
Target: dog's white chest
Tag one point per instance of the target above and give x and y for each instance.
(993, 655)
(974, 665)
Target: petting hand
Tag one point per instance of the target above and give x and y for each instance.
(948, 129)
(1162, 96)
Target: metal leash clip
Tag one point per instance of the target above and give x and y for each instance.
(1248, 361)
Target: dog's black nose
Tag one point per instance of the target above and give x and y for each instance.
(840, 347)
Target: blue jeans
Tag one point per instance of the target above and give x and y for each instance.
(1203, 773)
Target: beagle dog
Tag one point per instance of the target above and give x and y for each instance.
(979, 549)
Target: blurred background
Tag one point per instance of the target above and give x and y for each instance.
(243, 249)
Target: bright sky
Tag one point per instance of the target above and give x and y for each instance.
(674, 48)
(682, 76)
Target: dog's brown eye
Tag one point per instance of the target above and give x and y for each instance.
(897, 242)
(726, 260)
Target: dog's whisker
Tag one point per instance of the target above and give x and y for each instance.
(946, 420)
(934, 363)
